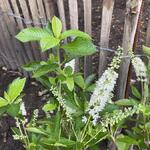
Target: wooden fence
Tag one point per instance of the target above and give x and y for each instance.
(18, 14)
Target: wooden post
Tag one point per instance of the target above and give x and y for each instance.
(61, 11)
(88, 28)
(73, 11)
(130, 27)
(107, 11)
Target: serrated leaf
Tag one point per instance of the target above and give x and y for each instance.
(126, 139)
(49, 28)
(80, 47)
(13, 110)
(49, 107)
(126, 102)
(70, 83)
(44, 70)
(135, 92)
(3, 102)
(79, 81)
(74, 33)
(62, 142)
(146, 50)
(56, 26)
(90, 79)
(44, 80)
(35, 130)
(15, 88)
(32, 34)
(68, 71)
(48, 42)
(31, 66)
(6, 96)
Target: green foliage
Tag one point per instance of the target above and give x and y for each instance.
(80, 47)
(32, 34)
(10, 103)
(67, 123)
(74, 33)
(146, 50)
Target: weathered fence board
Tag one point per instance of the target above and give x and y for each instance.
(73, 12)
(61, 10)
(87, 28)
(19, 14)
(108, 6)
(131, 22)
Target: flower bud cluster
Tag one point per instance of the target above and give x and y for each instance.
(61, 101)
(110, 119)
(140, 69)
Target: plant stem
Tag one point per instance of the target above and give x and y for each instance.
(84, 130)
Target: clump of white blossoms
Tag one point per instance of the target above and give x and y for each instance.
(140, 69)
(23, 109)
(104, 88)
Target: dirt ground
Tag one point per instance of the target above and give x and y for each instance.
(32, 100)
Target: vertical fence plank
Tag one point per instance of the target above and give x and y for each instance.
(60, 5)
(130, 27)
(5, 51)
(88, 28)
(42, 17)
(10, 32)
(35, 17)
(49, 6)
(73, 12)
(107, 11)
(26, 14)
(18, 47)
(27, 53)
(148, 34)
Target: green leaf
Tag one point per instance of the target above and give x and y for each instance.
(44, 80)
(90, 79)
(79, 81)
(80, 47)
(146, 50)
(135, 92)
(13, 110)
(49, 107)
(56, 26)
(68, 71)
(126, 102)
(15, 88)
(44, 70)
(66, 142)
(126, 139)
(35, 130)
(57, 125)
(48, 42)
(74, 33)
(6, 96)
(91, 88)
(62, 142)
(49, 28)
(3, 102)
(70, 83)
(124, 142)
(32, 34)
(31, 66)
